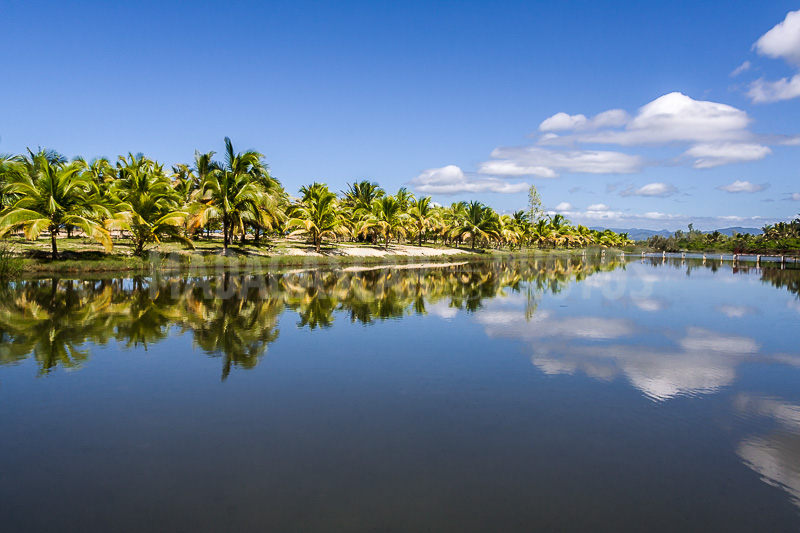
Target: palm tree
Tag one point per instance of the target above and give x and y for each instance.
(542, 233)
(423, 214)
(230, 193)
(480, 221)
(452, 218)
(388, 218)
(149, 205)
(360, 196)
(404, 198)
(51, 195)
(10, 168)
(273, 204)
(317, 214)
(358, 199)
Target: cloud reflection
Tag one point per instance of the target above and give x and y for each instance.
(775, 457)
(700, 362)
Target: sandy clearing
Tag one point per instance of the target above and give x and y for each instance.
(365, 251)
(402, 267)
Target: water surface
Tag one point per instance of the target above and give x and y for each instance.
(561, 393)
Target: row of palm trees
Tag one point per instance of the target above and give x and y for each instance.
(42, 191)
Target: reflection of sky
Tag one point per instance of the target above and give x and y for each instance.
(668, 333)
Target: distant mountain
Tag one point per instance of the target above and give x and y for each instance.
(638, 234)
(729, 231)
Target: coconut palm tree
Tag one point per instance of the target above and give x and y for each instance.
(52, 194)
(388, 218)
(480, 221)
(405, 198)
(452, 218)
(317, 215)
(542, 233)
(360, 196)
(230, 193)
(10, 169)
(149, 206)
(423, 215)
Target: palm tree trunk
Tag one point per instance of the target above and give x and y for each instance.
(53, 243)
(224, 235)
(317, 242)
(473, 241)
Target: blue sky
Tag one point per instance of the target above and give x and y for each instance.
(622, 114)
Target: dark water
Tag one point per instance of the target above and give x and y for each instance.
(558, 394)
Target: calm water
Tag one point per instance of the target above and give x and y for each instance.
(554, 394)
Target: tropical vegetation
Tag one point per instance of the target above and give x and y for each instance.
(136, 201)
(779, 238)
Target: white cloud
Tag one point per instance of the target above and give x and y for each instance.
(565, 122)
(546, 163)
(564, 206)
(651, 189)
(783, 40)
(762, 91)
(796, 196)
(657, 220)
(562, 121)
(597, 207)
(741, 68)
(743, 186)
(677, 118)
(655, 215)
(708, 155)
(452, 180)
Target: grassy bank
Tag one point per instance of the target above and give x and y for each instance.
(80, 255)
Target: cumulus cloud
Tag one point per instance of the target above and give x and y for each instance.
(762, 91)
(564, 206)
(708, 155)
(796, 196)
(741, 68)
(717, 134)
(783, 40)
(562, 121)
(657, 220)
(597, 207)
(660, 190)
(452, 180)
(565, 122)
(743, 186)
(547, 163)
(675, 118)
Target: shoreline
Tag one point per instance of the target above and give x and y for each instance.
(277, 254)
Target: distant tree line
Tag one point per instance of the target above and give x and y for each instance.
(783, 237)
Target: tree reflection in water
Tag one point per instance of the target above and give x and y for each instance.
(235, 316)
